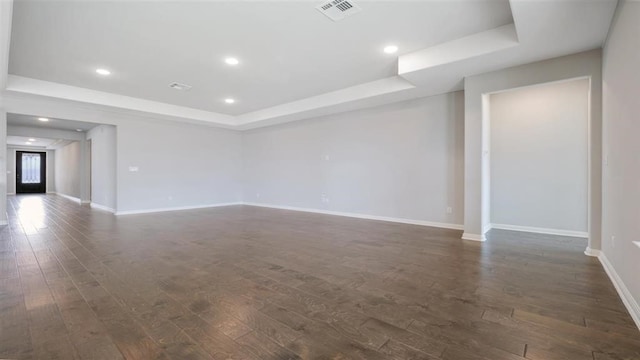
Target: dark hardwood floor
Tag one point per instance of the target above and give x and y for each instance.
(251, 283)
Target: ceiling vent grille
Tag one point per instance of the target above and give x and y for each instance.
(338, 9)
(181, 87)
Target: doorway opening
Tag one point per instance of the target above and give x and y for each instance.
(31, 172)
(538, 139)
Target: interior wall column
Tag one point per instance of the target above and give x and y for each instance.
(473, 164)
(85, 196)
(3, 166)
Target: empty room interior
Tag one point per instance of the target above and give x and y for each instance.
(351, 179)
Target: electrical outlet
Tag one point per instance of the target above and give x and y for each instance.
(449, 210)
(613, 241)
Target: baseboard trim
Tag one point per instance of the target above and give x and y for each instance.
(592, 252)
(538, 230)
(8, 194)
(474, 237)
(74, 199)
(102, 207)
(177, 208)
(361, 216)
(629, 302)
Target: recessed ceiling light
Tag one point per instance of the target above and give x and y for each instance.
(79, 130)
(43, 119)
(103, 72)
(32, 139)
(28, 143)
(232, 61)
(229, 100)
(391, 49)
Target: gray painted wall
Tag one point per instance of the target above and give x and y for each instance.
(621, 185)
(403, 160)
(67, 170)
(103, 165)
(179, 165)
(539, 156)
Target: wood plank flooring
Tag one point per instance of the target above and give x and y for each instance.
(244, 282)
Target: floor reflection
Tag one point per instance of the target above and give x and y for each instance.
(31, 212)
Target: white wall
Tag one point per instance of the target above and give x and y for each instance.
(179, 165)
(11, 168)
(103, 165)
(402, 160)
(67, 170)
(476, 191)
(621, 180)
(539, 147)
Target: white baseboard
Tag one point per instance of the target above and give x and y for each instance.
(102, 207)
(629, 302)
(11, 194)
(474, 237)
(74, 199)
(592, 252)
(361, 216)
(538, 230)
(177, 208)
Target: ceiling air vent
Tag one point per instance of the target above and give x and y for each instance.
(181, 87)
(338, 9)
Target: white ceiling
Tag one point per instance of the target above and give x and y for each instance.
(288, 50)
(58, 124)
(295, 63)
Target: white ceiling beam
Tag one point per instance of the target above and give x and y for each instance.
(44, 133)
(26, 85)
(467, 47)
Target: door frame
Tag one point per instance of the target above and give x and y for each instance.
(42, 186)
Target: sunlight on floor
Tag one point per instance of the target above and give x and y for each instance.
(32, 213)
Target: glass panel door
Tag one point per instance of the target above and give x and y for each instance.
(30, 168)
(31, 172)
